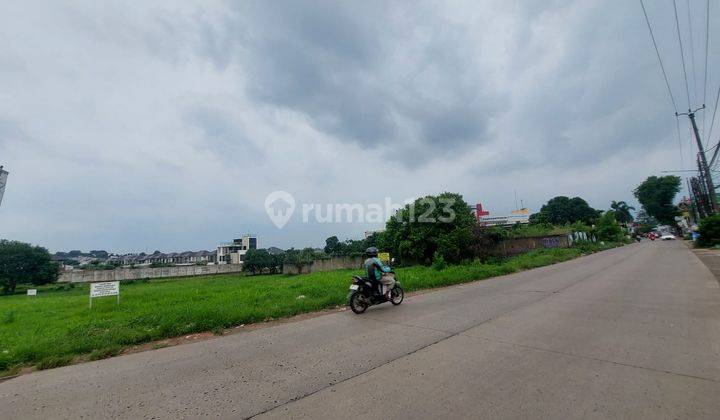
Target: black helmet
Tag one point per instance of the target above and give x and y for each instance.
(371, 252)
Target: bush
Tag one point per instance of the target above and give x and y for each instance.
(484, 241)
(608, 228)
(709, 231)
(439, 262)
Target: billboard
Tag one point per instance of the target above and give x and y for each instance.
(3, 181)
(516, 216)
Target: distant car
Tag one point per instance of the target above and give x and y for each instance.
(668, 237)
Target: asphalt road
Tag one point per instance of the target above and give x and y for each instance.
(632, 332)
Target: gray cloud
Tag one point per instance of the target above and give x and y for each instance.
(165, 125)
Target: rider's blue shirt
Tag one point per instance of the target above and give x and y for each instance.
(374, 268)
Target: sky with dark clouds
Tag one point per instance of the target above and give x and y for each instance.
(135, 126)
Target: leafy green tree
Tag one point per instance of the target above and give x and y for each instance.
(656, 194)
(607, 228)
(22, 263)
(540, 219)
(622, 211)
(299, 258)
(257, 261)
(562, 210)
(378, 240)
(354, 247)
(333, 246)
(709, 231)
(441, 223)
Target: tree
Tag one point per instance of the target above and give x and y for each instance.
(22, 263)
(608, 228)
(333, 246)
(562, 210)
(656, 194)
(256, 261)
(299, 258)
(622, 211)
(441, 223)
(709, 231)
(354, 247)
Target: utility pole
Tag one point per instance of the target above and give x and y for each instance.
(3, 181)
(704, 168)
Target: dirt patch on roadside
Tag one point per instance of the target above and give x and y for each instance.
(709, 257)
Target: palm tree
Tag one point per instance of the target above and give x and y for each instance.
(622, 211)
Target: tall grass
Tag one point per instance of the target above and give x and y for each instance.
(53, 327)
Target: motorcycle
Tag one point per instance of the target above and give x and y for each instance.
(365, 293)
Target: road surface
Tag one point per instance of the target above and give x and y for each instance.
(633, 332)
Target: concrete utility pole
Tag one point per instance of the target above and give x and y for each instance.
(704, 168)
(3, 181)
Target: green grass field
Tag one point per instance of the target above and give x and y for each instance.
(51, 329)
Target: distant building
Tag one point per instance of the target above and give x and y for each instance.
(273, 250)
(484, 218)
(234, 252)
(77, 258)
(369, 233)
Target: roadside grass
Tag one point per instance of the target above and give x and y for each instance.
(51, 329)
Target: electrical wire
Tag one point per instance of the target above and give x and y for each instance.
(657, 52)
(707, 39)
(677, 125)
(682, 53)
(692, 52)
(712, 122)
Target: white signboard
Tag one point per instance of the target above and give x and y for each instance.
(32, 292)
(111, 288)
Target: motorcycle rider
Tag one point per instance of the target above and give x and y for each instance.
(376, 270)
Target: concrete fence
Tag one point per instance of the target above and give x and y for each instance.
(86, 276)
(329, 264)
(517, 246)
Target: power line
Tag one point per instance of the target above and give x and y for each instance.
(692, 52)
(707, 38)
(657, 52)
(682, 160)
(682, 52)
(712, 148)
(712, 122)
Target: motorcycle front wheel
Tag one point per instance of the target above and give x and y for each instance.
(397, 295)
(357, 303)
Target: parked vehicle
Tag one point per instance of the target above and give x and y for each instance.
(668, 237)
(365, 293)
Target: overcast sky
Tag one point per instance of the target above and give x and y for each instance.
(135, 126)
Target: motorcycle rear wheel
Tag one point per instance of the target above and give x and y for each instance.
(397, 295)
(357, 303)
